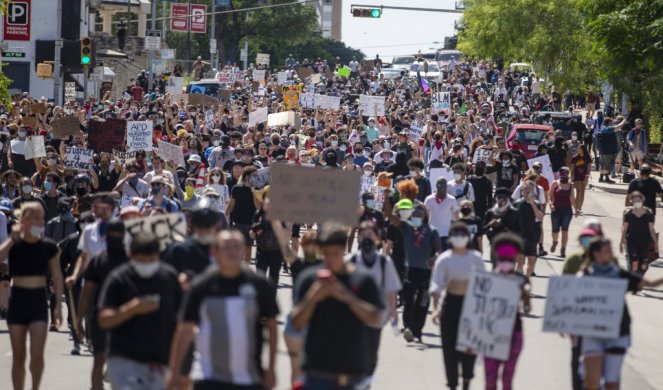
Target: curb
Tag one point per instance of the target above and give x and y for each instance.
(609, 188)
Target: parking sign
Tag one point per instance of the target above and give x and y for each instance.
(198, 18)
(17, 21)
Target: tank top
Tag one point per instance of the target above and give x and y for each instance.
(562, 198)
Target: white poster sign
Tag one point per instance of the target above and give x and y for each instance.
(481, 155)
(124, 158)
(282, 77)
(258, 75)
(441, 101)
(35, 147)
(166, 227)
(488, 315)
(584, 306)
(262, 59)
(437, 173)
(281, 118)
(18, 146)
(371, 105)
(170, 152)
(547, 170)
(139, 136)
(258, 116)
(78, 158)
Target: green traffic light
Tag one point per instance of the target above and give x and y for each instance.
(375, 13)
(85, 60)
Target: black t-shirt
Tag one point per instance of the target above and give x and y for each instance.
(528, 224)
(144, 338)
(244, 208)
(483, 194)
(97, 271)
(51, 206)
(107, 180)
(506, 176)
(650, 188)
(395, 235)
(70, 253)
(31, 259)
(190, 257)
(638, 233)
(509, 222)
(475, 225)
(337, 341)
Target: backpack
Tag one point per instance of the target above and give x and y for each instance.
(266, 240)
(383, 262)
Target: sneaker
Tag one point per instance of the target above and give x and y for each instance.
(553, 247)
(418, 340)
(610, 181)
(408, 335)
(601, 179)
(542, 252)
(52, 328)
(76, 350)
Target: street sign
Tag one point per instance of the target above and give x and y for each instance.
(212, 45)
(179, 21)
(152, 40)
(243, 54)
(17, 20)
(167, 54)
(13, 54)
(198, 18)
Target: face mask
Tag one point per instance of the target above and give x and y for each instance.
(604, 269)
(367, 245)
(506, 163)
(189, 191)
(81, 191)
(334, 143)
(637, 205)
(385, 145)
(216, 142)
(584, 241)
(370, 203)
(37, 231)
(466, 211)
(207, 239)
(563, 179)
(155, 190)
(52, 162)
(343, 148)
(48, 186)
(21, 134)
(486, 141)
(26, 189)
(368, 172)
(416, 221)
(457, 176)
(506, 266)
(216, 178)
(479, 171)
(574, 137)
(459, 241)
(413, 173)
(145, 270)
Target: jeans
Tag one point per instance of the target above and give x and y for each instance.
(272, 260)
(492, 366)
(561, 219)
(416, 300)
(128, 374)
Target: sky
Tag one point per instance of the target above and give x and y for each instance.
(398, 32)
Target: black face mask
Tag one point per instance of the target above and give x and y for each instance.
(81, 191)
(115, 245)
(479, 171)
(466, 211)
(368, 252)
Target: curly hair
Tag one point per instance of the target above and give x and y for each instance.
(408, 189)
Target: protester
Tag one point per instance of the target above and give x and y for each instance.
(638, 235)
(562, 202)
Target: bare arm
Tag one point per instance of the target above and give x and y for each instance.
(110, 318)
(182, 340)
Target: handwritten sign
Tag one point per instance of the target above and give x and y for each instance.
(547, 170)
(78, 158)
(441, 101)
(258, 116)
(488, 315)
(168, 228)
(259, 75)
(200, 99)
(35, 147)
(584, 306)
(66, 126)
(281, 119)
(481, 155)
(371, 105)
(282, 77)
(262, 59)
(366, 185)
(313, 195)
(139, 136)
(124, 158)
(437, 173)
(170, 152)
(105, 136)
(415, 132)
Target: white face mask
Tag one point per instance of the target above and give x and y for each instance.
(413, 173)
(216, 142)
(207, 239)
(459, 241)
(574, 137)
(368, 172)
(216, 178)
(37, 231)
(457, 176)
(637, 205)
(145, 270)
(343, 148)
(26, 189)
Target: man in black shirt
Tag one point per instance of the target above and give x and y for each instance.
(138, 306)
(107, 177)
(647, 186)
(335, 303)
(483, 189)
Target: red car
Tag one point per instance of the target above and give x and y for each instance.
(529, 137)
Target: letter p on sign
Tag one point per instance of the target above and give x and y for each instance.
(17, 13)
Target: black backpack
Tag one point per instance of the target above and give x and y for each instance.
(266, 240)
(383, 262)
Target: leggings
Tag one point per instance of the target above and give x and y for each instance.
(415, 300)
(451, 309)
(492, 366)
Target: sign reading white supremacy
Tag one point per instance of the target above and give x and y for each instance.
(139, 136)
(168, 228)
(371, 105)
(78, 158)
(488, 315)
(547, 170)
(312, 195)
(584, 306)
(258, 116)
(170, 152)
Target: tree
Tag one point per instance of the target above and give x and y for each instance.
(5, 97)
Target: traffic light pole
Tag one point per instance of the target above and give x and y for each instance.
(150, 55)
(57, 77)
(86, 75)
(450, 11)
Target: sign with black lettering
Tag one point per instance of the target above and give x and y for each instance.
(78, 158)
(168, 228)
(139, 136)
(104, 136)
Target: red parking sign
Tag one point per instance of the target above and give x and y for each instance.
(17, 21)
(198, 18)
(179, 21)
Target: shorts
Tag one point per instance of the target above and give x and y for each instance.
(125, 373)
(607, 161)
(561, 218)
(530, 248)
(27, 305)
(99, 337)
(637, 154)
(296, 231)
(598, 346)
(290, 330)
(638, 251)
(244, 229)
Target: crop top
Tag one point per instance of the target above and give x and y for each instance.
(452, 266)
(31, 259)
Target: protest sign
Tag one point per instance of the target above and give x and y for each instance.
(378, 193)
(105, 136)
(304, 73)
(175, 85)
(584, 306)
(371, 105)
(488, 315)
(327, 102)
(258, 116)
(415, 132)
(437, 173)
(547, 170)
(307, 100)
(37, 108)
(281, 118)
(66, 126)
(258, 75)
(18, 146)
(441, 101)
(262, 177)
(344, 71)
(167, 228)
(170, 152)
(282, 77)
(262, 59)
(209, 119)
(312, 195)
(35, 147)
(31, 120)
(290, 99)
(315, 78)
(139, 136)
(123, 158)
(78, 158)
(481, 155)
(366, 185)
(200, 99)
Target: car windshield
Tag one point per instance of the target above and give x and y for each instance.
(530, 136)
(209, 89)
(402, 60)
(429, 56)
(447, 56)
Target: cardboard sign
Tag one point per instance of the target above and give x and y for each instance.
(262, 59)
(437, 173)
(488, 315)
(78, 158)
(139, 136)
(124, 158)
(170, 152)
(371, 105)
(282, 77)
(313, 195)
(200, 99)
(175, 85)
(66, 126)
(281, 118)
(304, 73)
(38, 108)
(441, 101)
(168, 228)
(547, 170)
(481, 155)
(105, 136)
(584, 306)
(35, 147)
(258, 116)
(18, 146)
(259, 75)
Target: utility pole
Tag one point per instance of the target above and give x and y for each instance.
(150, 56)
(56, 59)
(163, 21)
(246, 47)
(212, 39)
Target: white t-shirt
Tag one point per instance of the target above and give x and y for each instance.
(91, 241)
(452, 266)
(441, 214)
(141, 189)
(456, 190)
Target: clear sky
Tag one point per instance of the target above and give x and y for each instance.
(398, 32)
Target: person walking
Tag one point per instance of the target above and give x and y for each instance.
(562, 202)
(638, 142)
(638, 235)
(581, 164)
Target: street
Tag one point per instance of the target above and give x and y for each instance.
(544, 363)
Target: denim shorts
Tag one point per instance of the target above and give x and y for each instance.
(290, 328)
(561, 218)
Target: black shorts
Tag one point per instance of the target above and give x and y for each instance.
(530, 247)
(244, 229)
(27, 305)
(99, 337)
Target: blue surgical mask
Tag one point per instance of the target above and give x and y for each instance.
(609, 269)
(584, 241)
(416, 221)
(370, 203)
(48, 186)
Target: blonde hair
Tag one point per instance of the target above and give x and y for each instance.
(27, 209)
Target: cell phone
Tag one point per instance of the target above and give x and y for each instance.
(325, 275)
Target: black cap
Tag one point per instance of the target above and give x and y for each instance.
(502, 192)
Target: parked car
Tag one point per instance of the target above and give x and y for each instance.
(529, 137)
(390, 73)
(402, 62)
(432, 73)
(559, 121)
(444, 57)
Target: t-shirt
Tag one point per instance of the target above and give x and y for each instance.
(244, 208)
(31, 259)
(453, 266)
(220, 155)
(336, 339)
(98, 270)
(483, 194)
(419, 244)
(144, 338)
(108, 180)
(650, 188)
(189, 256)
(229, 314)
(475, 225)
(461, 191)
(141, 189)
(92, 241)
(530, 229)
(441, 212)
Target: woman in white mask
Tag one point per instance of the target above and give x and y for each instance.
(448, 286)
(638, 235)
(216, 179)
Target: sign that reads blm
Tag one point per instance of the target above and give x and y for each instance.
(313, 195)
(488, 315)
(139, 136)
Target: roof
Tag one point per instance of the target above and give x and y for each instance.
(533, 127)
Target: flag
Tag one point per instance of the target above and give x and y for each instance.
(423, 82)
(200, 180)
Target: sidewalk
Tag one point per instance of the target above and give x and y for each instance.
(617, 188)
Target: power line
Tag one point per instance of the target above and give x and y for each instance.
(404, 44)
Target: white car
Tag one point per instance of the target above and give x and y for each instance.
(402, 62)
(444, 57)
(431, 72)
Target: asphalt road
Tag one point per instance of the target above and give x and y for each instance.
(543, 365)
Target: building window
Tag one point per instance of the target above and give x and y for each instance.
(327, 2)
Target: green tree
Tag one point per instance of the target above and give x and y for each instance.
(5, 97)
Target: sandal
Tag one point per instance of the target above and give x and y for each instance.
(553, 247)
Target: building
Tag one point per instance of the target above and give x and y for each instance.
(330, 16)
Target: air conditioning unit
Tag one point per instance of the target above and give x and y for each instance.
(45, 70)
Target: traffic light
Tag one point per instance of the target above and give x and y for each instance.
(86, 51)
(366, 12)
